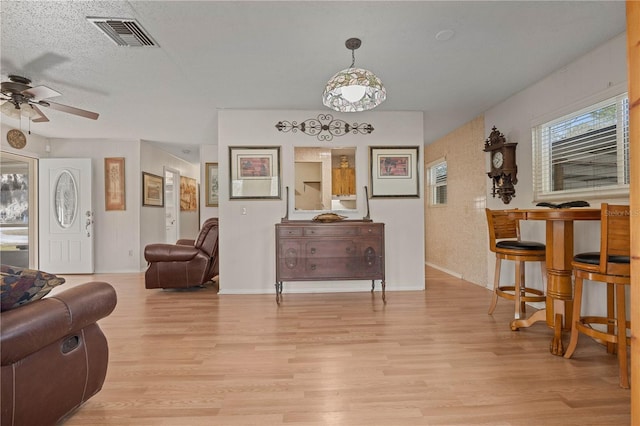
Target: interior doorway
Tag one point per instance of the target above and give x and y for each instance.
(18, 210)
(171, 204)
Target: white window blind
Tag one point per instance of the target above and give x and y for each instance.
(438, 183)
(586, 152)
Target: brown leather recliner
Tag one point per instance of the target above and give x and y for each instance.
(54, 354)
(188, 263)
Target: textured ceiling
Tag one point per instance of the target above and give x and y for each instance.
(278, 55)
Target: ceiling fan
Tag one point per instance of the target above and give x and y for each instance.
(21, 99)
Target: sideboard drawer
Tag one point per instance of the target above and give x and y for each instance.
(331, 231)
(331, 248)
(289, 231)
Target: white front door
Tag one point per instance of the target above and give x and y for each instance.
(66, 216)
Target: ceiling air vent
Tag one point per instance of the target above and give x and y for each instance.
(124, 32)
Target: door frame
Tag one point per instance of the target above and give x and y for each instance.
(175, 201)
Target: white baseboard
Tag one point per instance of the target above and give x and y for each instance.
(445, 270)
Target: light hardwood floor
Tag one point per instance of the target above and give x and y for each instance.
(429, 357)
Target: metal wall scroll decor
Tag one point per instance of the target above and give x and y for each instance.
(325, 127)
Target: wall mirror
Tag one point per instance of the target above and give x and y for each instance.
(325, 179)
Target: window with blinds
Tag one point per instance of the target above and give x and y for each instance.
(586, 152)
(438, 183)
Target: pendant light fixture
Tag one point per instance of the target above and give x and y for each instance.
(353, 89)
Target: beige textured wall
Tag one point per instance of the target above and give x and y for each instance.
(456, 238)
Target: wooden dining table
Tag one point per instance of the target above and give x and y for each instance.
(559, 254)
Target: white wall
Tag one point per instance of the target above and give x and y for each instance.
(117, 246)
(590, 78)
(247, 242)
(36, 145)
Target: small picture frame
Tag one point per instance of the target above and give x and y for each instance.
(152, 190)
(211, 184)
(114, 184)
(254, 172)
(188, 194)
(394, 172)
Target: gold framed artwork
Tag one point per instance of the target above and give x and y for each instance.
(211, 184)
(114, 184)
(394, 171)
(152, 190)
(188, 194)
(254, 172)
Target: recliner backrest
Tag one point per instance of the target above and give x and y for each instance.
(207, 240)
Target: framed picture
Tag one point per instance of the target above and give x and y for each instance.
(114, 195)
(254, 172)
(211, 184)
(394, 171)
(152, 190)
(188, 194)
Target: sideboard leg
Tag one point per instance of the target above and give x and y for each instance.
(278, 291)
(384, 299)
(373, 285)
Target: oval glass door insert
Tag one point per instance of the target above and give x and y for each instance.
(66, 199)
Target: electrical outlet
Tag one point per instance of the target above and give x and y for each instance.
(130, 252)
(244, 211)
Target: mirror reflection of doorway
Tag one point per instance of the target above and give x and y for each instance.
(308, 189)
(17, 212)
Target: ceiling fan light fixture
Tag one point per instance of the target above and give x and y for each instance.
(25, 110)
(353, 89)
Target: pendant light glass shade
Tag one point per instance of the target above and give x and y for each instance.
(353, 89)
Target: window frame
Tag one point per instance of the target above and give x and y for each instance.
(432, 185)
(541, 178)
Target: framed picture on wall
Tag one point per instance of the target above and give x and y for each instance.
(394, 171)
(254, 172)
(188, 194)
(211, 184)
(152, 190)
(114, 185)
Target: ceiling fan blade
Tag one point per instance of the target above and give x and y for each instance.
(70, 109)
(43, 118)
(41, 92)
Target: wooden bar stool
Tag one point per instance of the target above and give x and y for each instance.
(610, 266)
(505, 242)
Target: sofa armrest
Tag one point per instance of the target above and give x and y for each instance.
(169, 253)
(27, 329)
(186, 242)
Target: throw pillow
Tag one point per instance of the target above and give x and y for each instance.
(19, 286)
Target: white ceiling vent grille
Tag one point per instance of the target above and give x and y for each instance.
(124, 32)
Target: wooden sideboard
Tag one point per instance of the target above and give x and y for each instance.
(315, 251)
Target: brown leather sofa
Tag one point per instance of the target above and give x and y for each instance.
(54, 354)
(188, 263)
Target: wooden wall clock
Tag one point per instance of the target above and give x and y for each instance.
(503, 169)
(16, 139)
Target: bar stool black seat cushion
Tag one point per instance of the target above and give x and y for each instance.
(593, 258)
(520, 245)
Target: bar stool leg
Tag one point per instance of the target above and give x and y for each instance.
(496, 284)
(518, 290)
(611, 316)
(577, 304)
(622, 335)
